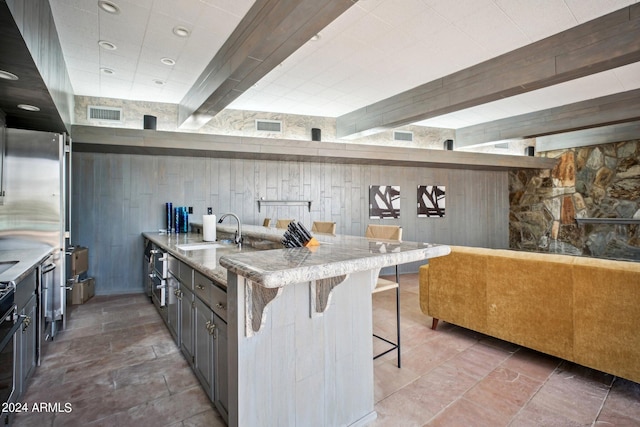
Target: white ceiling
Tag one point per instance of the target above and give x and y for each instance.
(376, 49)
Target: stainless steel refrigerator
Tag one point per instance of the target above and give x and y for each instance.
(34, 209)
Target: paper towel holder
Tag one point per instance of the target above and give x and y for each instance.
(209, 228)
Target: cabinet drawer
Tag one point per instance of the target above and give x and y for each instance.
(219, 301)
(202, 287)
(174, 265)
(185, 274)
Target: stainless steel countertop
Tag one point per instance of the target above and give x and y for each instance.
(27, 256)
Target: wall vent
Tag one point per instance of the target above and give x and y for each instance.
(402, 135)
(269, 125)
(105, 114)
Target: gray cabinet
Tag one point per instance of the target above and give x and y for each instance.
(204, 337)
(29, 337)
(187, 307)
(221, 361)
(210, 359)
(195, 312)
(173, 293)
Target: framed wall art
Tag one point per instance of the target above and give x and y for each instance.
(384, 201)
(431, 201)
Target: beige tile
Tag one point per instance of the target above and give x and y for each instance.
(466, 413)
(535, 365)
(623, 402)
(478, 360)
(119, 366)
(504, 392)
(388, 379)
(169, 409)
(533, 415)
(208, 418)
(574, 397)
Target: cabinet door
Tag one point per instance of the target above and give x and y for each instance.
(173, 307)
(186, 322)
(204, 333)
(221, 360)
(25, 346)
(29, 339)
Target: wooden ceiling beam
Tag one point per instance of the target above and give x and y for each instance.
(617, 108)
(604, 43)
(268, 34)
(586, 137)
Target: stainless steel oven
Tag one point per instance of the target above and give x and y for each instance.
(158, 276)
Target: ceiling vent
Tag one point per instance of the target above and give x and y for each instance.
(105, 114)
(269, 125)
(402, 135)
(502, 145)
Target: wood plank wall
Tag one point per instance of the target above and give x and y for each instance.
(117, 196)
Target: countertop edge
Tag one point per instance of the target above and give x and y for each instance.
(367, 261)
(35, 256)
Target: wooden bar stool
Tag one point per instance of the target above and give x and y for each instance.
(324, 227)
(391, 233)
(283, 223)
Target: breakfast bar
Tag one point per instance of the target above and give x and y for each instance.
(299, 323)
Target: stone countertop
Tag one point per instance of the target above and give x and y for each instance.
(346, 254)
(21, 259)
(336, 255)
(205, 261)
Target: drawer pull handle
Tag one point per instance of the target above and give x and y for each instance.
(201, 287)
(221, 306)
(211, 327)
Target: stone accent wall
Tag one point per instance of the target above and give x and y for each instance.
(588, 182)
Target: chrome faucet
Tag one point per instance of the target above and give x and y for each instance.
(238, 239)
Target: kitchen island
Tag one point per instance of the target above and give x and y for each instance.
(299, 323)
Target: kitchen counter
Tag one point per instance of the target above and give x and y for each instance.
(206, 261)
(336, 255)
(20, 259)
(299, 322)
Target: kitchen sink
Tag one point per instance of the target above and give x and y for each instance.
(199, 246)
(5, 265)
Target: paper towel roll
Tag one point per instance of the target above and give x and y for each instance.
(209, 228)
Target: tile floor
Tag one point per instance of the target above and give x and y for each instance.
(118, 366)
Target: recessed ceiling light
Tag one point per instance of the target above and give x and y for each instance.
(158, 82)
(109, 7)
(181, 31)
(315, 38)
(107, 45)
(107, 71)
(168, 61)
(28, 107)
(7, 75)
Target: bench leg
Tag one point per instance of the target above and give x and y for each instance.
(434, 324)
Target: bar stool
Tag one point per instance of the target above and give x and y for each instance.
(283, 223)
(324, 227)
(392, 233)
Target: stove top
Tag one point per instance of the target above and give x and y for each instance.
(6, 297)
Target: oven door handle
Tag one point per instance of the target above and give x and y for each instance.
(47, 268)
(14, 329)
